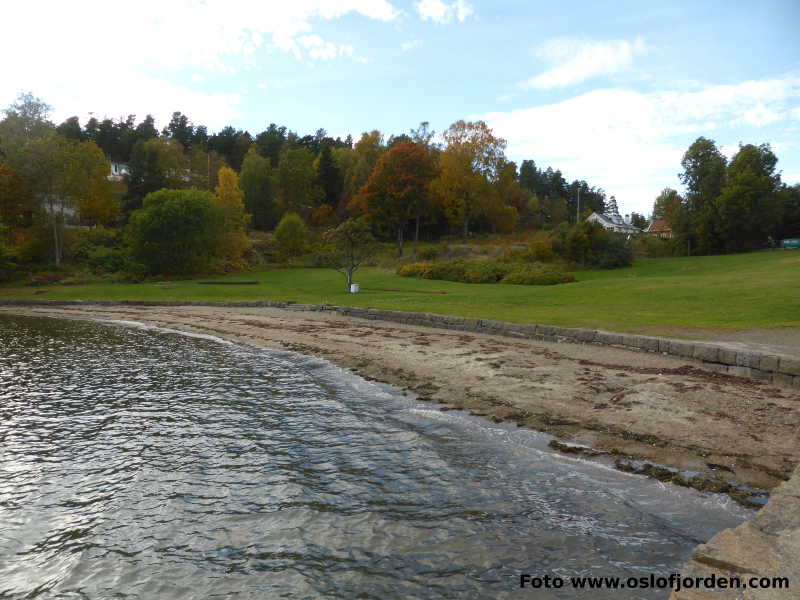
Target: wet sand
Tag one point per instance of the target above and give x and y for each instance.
(629, 404)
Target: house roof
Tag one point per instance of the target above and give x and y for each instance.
(610, 221)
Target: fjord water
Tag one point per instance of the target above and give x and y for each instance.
(137, 463)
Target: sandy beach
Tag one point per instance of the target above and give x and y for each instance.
(629, 404)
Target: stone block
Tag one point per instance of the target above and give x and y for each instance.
(740, 371)
(782, 379)
(748, 359)
(716, 367)
(583, 335)
(472, 324)
(630, 340)
(706, 353)
(678, 348)
(528, 330)
(648, 343)
(790, 366)
(546, 330)
(663, 345)
(768, 363)
(609, 339)
(726, 356)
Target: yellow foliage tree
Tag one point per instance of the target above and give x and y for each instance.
(234, 242)
(469, 166)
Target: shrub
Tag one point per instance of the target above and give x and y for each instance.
(7, 266)
(428, 253)
(617, 253)
(514, 254)
(541, 250)
(176, 231)
(291, 236)
(487, 271)
(652, 247)
(537, 275)
(106, 260)
(415, 270)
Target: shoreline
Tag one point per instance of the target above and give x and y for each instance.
(448, 371)
(645, 411)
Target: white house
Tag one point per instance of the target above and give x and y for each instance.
(118, 170)
(612, 220)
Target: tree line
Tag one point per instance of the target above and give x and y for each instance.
(404, 185)
(729, 206)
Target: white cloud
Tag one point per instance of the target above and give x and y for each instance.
(141, 94)
(261, 86)
(319, 49)
(412, 45)
(578, 60)
(631, 143)
(442, 12)
(76, 73)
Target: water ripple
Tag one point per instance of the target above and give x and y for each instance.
(145, 464)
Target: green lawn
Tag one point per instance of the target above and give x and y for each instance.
(668, 296)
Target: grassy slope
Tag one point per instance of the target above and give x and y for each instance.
(656, 295)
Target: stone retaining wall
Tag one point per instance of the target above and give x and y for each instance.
(776, 368)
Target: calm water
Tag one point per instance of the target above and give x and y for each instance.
(147, 464)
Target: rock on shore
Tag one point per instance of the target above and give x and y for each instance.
(766, 546)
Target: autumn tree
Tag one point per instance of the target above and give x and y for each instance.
(201, 168)
(65, 177)
(397, 190)
(256, 182)
(469, 165)
(233, 242)
(25, 120)
(665, 204)
(16, 203)
(296, 182)
(365, 155)
(508, 201)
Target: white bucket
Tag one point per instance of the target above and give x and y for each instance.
(354, 287)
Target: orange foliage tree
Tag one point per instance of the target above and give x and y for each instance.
(397, 190)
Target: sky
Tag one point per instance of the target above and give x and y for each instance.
(609, 92)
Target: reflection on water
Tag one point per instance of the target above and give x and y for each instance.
(143, 464)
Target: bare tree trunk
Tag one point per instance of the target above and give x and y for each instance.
(400, 241)
(465, 233)
(416, 236)
(56, 242)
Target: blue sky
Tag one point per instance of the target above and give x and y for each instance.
(609, 92)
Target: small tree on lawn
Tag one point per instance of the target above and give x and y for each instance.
(291, 236)
(348, 246)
